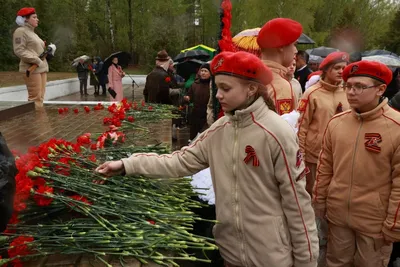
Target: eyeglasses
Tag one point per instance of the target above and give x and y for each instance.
(358, 87)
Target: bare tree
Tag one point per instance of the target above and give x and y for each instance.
(108, 8)
(130, 34)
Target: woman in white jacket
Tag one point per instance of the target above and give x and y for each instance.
(264, 212)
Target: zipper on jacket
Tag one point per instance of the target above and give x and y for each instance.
(352, 170)
(236, 211)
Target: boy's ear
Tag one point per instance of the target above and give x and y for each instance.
(382, 89)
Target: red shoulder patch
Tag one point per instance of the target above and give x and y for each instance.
(302, 105)
(284, 106)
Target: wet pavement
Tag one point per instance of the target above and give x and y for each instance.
(35, 127)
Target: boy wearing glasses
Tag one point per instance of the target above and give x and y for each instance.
(358, 179)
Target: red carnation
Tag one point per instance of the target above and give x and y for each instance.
(168, 79)
(19, 247)
(121, 116)
(76, 111)
(60, 111)
(93, 158)
(81, 199)
(66, 109)
(84, 139)
(150, 108)
(143, 103)
(87, 109)
(43, 200)
(131, 119)
(151, 222)
(93, 146)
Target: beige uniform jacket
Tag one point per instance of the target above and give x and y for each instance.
(28, 46)
(264, 212)
(358, 178)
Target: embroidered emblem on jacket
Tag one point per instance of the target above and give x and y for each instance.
(372, 141)
(251, 155)
(339, 108)
(302, 105)
(18, 40)
(284, 106)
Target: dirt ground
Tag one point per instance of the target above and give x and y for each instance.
(10, 78)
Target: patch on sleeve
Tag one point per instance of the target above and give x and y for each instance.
(284, 106)
(18, 40)
(302, 105)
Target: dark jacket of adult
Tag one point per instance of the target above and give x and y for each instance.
(83, 71)
(302, 76)
(157, 86)
(8, 172)
(101, 72)
(199, 94)
(394, 86)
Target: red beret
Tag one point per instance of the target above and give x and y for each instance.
(334, 58)
(374, 70)
(243, 65)
(26, 11)
(279, 32)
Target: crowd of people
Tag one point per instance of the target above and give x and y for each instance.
(271, 184)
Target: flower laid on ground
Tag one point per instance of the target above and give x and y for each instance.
(58, 209)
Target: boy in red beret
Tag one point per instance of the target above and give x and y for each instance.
(277, 40)
(357, 186)
(264, 213)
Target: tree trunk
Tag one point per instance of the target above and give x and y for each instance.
(108, 8)
(130, 34)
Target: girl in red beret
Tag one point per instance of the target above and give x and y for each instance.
(318, 105)
(28, 46)
(358, 181)
(264, 213)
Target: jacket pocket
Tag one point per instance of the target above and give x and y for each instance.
(282, 232)
(380, 206)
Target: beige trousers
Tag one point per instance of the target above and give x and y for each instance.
(348, 248)
(310, 178)
(36, 85)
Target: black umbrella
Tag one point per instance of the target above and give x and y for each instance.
(321, 51)
(189, 67)
(123, 59)
(192, 54)
(377, 53)
(304, 39)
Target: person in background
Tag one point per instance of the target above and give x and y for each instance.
(158, 81)
(302, 70)
(313, 78)
(83, 72)
(93, 78)
(318, 105)
(298, 92)
(313, 62)
(28, 47)
(101, 74)
(277, 41)
(358, 182)
(263, 211)
(115, 75)
(395, 100)
(199, 94)
(393, 87)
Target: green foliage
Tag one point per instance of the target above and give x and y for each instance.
(82, 26)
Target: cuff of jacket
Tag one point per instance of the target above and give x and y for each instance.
(305, 264)
(129, 170)
(393, 234)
